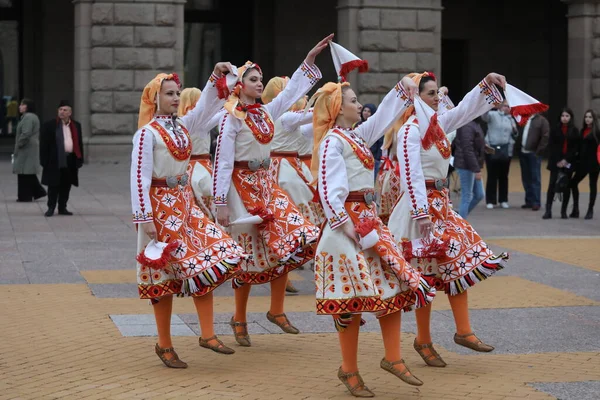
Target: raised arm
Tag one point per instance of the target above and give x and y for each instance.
(305, 77)
(141, 176)
(411, 172)
(392, 106)
(224, 158)
(291, 120)
(333, 181)
(478, 101)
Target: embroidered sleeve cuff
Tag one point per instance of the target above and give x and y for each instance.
(418, 213)
(140, 217)
(402, 94)
(313, 73)
(338, 219)
(214, 78)
(491, 93)
(220, 200)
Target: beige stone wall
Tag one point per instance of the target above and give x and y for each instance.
(396, 37)
(121, 46)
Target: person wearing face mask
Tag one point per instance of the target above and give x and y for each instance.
(198, 256)
(260, 215)
(447, 250)
(501, 133)
(563, 145)
(358, 267)
(587, 164)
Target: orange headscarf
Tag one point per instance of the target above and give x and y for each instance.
(327, 105)
(276, 86)
(232, 104)
(389, 135)
(187, 100)
(149, 97)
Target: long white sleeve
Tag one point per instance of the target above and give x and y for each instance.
(411, 172)
(307, 131)
(291, 120)
(224, 158)
(302, 81)
(197, 120)
(478, 101)
(141, 175)
(393, 105)
(333, 181)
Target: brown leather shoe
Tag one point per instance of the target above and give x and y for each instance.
(174, 362)
(285, 326)
(219, 347)
(403, 375)
(477, 346)
(360, 389)
(433, 359)
(242, 337)
(289, 287)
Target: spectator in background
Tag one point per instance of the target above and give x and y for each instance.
(26, 162)
(469, 156)
(586, 164)
(562, 150)
(502, 130)
(367, 111)
(534, 141)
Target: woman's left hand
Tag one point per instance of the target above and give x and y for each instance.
(310, 57)
(443, 90)
(222, 67)
(494, 78)
(410, 86)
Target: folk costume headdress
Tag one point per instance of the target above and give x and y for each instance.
(276, 86)
(188, 99)
(233, 105)
(150, 97)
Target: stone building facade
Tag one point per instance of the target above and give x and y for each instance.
(550, 48)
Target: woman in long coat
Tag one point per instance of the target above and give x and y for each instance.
(26, 162)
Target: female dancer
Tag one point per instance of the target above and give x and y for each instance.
(284, 239)
(365, 274)
(586, 164)
(201, 256)
(459, 259)
(562, 148)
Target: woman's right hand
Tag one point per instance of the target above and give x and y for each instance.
(425, 227)
(561, 163)
(149, 229)
(223, 216)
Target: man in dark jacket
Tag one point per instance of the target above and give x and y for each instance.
(61, 156)
(534, 141)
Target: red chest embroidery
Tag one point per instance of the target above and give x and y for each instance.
(261, 125)
(436, 136)
(360, 148)
(180, 147)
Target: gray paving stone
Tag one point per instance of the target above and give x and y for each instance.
(150, 330)
(115, 290)
(587, 390)
(141, 319)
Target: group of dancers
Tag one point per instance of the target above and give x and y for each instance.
(258, 211)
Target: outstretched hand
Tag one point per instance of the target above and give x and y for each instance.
(222, 67)
(410, 86)
(494, 78)
(310, 57)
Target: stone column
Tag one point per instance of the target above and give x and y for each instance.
(584, 56)
(396, 37)
(119, 46)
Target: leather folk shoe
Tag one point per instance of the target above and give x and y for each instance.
(218, 348)
(433, 359)
(242, 337)
(285, 326)
(402, 374)
(174, 361)
(358, 390)
(477, 345)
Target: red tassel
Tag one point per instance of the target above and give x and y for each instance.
(437, 248)
(159, 264)
(434, 133)
(366, 226)
(222, 89)
(526, 111)
(362, 65)
(407, 250)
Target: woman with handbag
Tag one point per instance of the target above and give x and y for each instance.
(502, 130)
(587, 164)
(563, 146)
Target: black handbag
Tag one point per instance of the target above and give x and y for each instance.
(500, 152)
(562, 180)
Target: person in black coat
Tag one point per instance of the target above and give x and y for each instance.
(469, 157)
(61, 156)
(586, 163)
(563, 145)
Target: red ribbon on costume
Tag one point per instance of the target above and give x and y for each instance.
(251, 108)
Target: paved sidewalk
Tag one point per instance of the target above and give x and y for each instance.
(72, 326)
